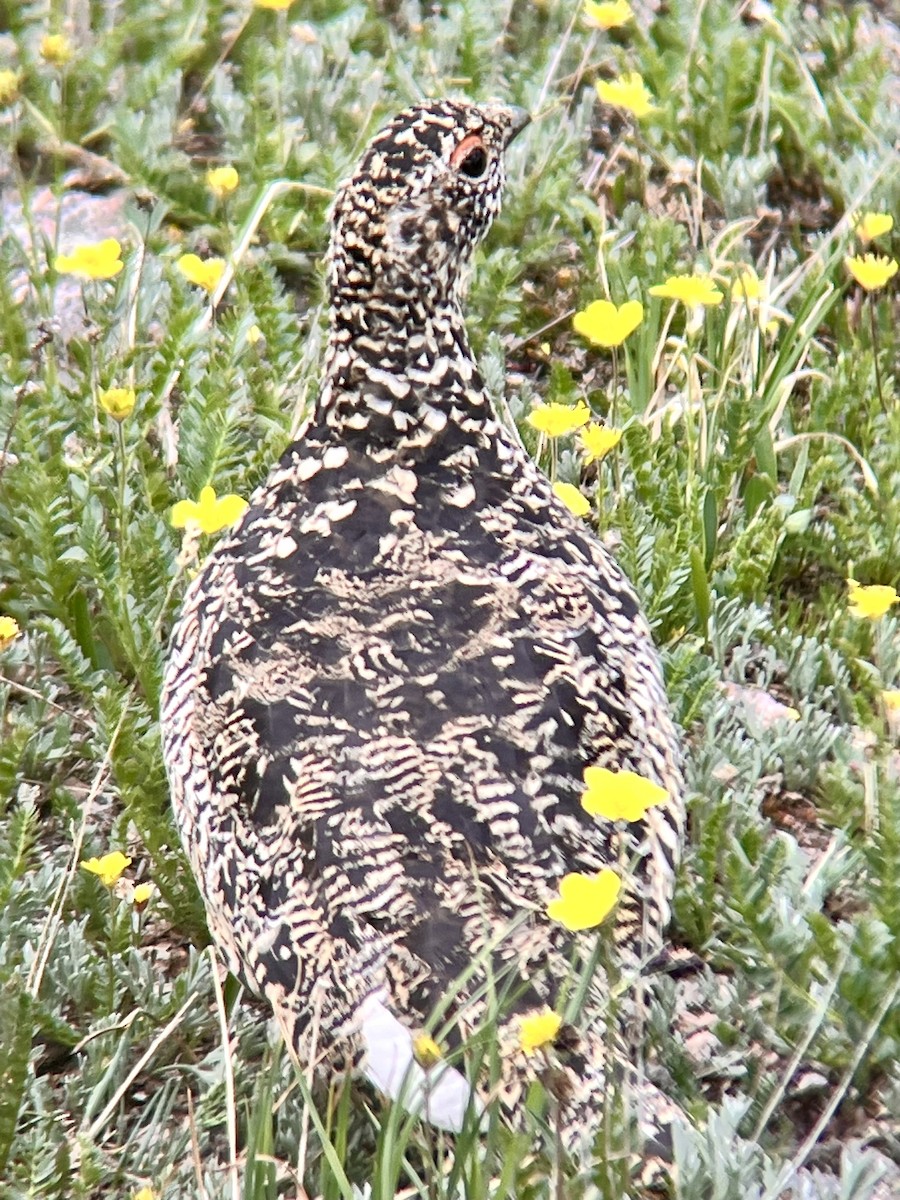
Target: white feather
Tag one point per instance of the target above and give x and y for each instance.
(441, 1095)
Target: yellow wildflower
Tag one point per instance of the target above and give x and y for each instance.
(56, 49)
(871, 601)
(689, 289)
(9, 86)
(145, 1193)
(118, 402)
(585, 900)
(607, 324)
(609, 15)
(628, 92)
(222, 181)
(204, 272)
(274, 5)
(210, 513)
(619, 795)
(574, 500)
(9, 631)
(891, 700)
(93, 260)
(426, 1051)
(108, 868)
(871, 271)
(538, 1030)
(597, 441)
(870, 226)
(752, 292)
(556, 420)
(143, 894)
(254, 335)
(748, 287)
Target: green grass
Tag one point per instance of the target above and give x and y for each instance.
(757, 471)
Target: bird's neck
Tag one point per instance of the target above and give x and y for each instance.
(393, 382)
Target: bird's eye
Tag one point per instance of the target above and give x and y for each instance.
(474, 163)
(470, 157)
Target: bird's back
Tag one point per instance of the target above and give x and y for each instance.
(394, 685)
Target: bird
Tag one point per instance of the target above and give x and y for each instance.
(388, 678)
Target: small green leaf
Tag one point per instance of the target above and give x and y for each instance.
(710, 528)
(700, 584)
(756, 493)
(15, 1049)
(764, 449)
(799, 521)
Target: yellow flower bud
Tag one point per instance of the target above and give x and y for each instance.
(538, 1030)
(56, 49)
(426, 1051)
(9, 631)
(118, 402)
(9, 86)
(222, 181)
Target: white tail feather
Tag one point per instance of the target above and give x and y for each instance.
(440, 1095)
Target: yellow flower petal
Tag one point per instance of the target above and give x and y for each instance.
(619, 795)
(9, 86)
(689, 289)
(609, 15)
(274, 5)
(142, 894)
(538, 1030)
(9, 631)
(748, 287)
(872, 601)
(628, 92)
(890, 698)
(748, 290)
(556, 420)
(93, 260)
(426, 1051)
(183, 512)
(870, 226)
(108, 868)
(871, 271)
(574, 500)
(607, 324)
(222, 181)
(210, 513)
(56, 49)
(203, 272)
(597, 441)
(145, 1193)
(118, 402)
(228, 509)
(585, 900)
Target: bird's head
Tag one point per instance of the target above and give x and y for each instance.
(425, 193)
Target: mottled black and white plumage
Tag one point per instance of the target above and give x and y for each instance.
(386, 683)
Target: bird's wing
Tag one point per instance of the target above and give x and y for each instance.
(386, 720)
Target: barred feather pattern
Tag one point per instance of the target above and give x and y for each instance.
(386, 682)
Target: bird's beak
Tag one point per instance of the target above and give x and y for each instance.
(519, 118)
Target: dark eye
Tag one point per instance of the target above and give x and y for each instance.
(470, 157)
(475, 163)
